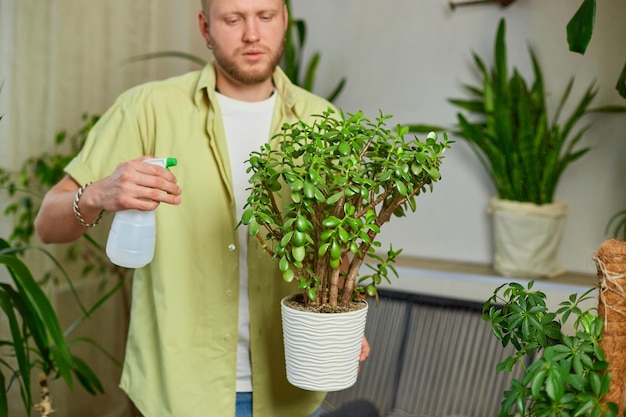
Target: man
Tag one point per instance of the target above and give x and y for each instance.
(205, 335)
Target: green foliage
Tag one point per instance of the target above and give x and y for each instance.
(579, 33)
(524, 153)
(293, 59)
(37, 341)
(568, 375)
(27, 187)
(37, 175)
(616, 226)
(322, 192)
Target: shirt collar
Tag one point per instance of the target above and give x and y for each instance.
(205, 87)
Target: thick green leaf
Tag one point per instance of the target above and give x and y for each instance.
(39, 303)
(86, 376)
(20, 345)
(524, 154)
(4, 402)
(580, 27)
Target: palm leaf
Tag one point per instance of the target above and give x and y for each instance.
(38, 303)
(4, 402)
(86, 376)
(19, 346)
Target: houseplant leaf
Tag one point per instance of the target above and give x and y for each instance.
(38, 303)
(19, 346)
(580, 27)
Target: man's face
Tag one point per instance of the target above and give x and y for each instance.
(247, 37)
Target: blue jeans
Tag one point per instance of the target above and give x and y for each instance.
(244, 406)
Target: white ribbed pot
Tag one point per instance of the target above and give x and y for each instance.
(322, 349)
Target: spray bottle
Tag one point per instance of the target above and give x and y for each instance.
(132, 236)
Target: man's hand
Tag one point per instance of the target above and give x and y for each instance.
(133, 185)
(365, 350)
(136, 185)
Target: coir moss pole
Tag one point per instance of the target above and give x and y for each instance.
(611, 266)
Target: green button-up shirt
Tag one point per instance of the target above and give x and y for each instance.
(181, 352)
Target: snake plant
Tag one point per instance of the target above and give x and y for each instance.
(506, 121)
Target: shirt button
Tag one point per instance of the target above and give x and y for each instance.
(229, 293)
(231, 247)
(227, 337)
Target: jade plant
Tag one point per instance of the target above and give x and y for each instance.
(321, 192)
(563, 375)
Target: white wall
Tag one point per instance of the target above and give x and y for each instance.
(406, 57)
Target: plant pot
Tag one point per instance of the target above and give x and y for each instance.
(322, 349)
(527, 238)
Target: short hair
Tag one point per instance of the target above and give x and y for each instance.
(205, 5)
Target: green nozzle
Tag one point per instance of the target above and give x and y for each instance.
(170, 162)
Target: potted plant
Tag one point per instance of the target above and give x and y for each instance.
(525, 153)
(579, 33)
(37, 341)
(567, 374)
(320, 194)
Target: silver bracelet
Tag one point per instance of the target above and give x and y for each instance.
(77, 214)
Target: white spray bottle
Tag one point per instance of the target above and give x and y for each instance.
(132, 237)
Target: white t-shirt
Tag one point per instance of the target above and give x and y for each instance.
(247, 126)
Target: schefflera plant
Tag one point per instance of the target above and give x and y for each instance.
(320, 193)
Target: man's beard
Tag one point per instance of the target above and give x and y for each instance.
(247, 77)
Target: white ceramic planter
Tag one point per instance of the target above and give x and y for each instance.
(321, 349)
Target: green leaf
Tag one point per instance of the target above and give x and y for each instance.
(621, 82)
(583, 408)
(298, 253)
(283, 264)
(596, 383)
(331, 222)
(247, 216)
(537, 383)
(253, 227)
(86, 376)
(555, 385)
(40, 305)
(401, 187)
(4, 403)
(334, 198)
(288, 275)
(19, 345)
(580, 27)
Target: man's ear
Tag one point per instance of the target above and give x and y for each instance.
(286, 16)
(203, 26)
